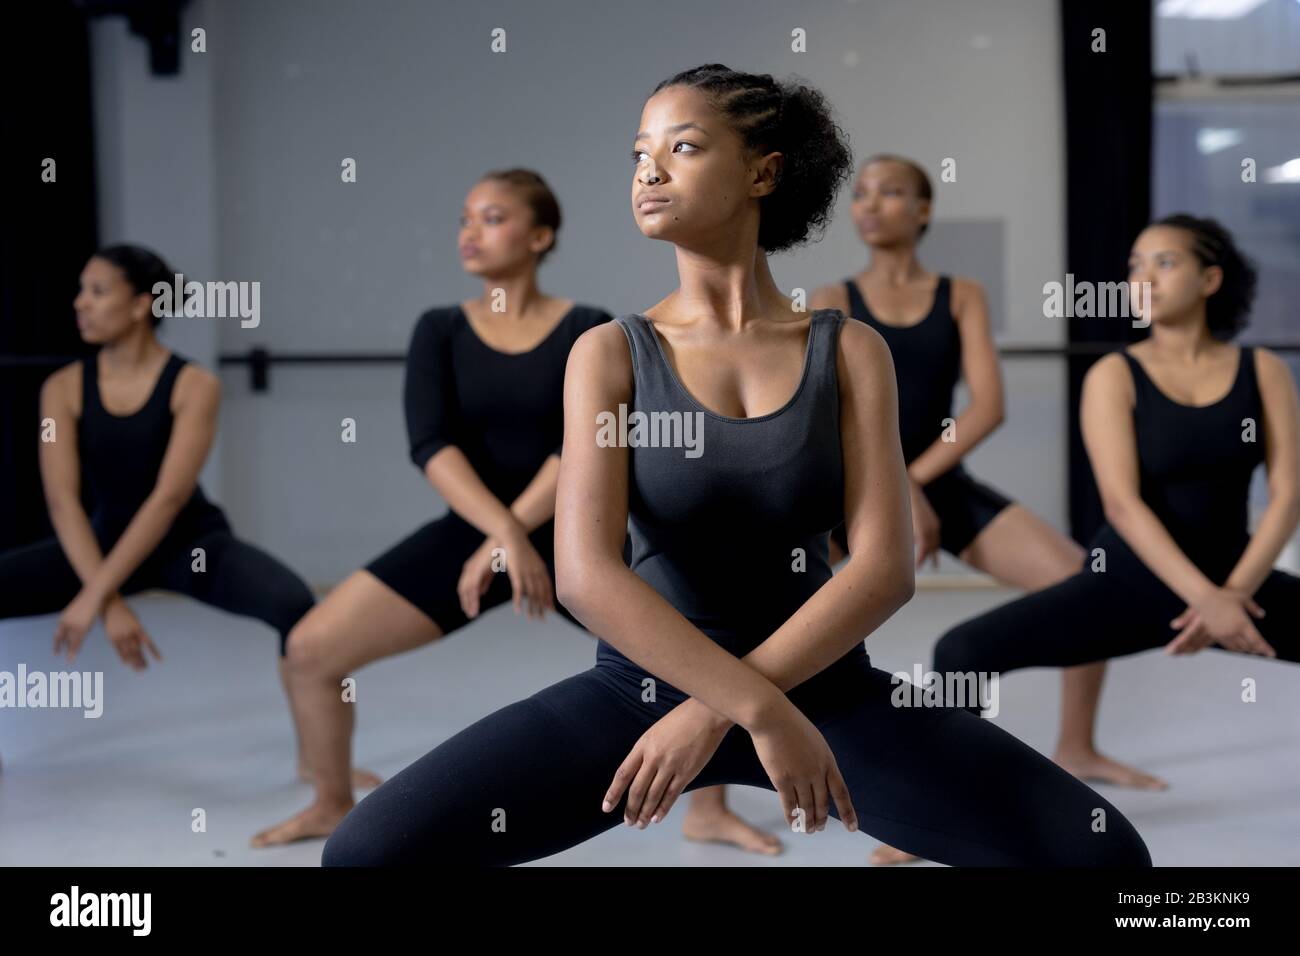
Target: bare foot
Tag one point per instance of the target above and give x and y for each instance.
(365, 779)
(318, 820)
(1091, 766)
(886, 855)
(723, 826)
(361, 779)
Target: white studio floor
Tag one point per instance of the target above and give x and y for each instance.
(209, 728)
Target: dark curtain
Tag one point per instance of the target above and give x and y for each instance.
(47, 233)
(1108, 120)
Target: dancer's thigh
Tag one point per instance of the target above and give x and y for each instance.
(36, 579)
(1279, 596)
(520, 784)
(1087, 617)
(952, 787)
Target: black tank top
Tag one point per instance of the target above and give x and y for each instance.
(720, 535)
(1195, 467)
(927, 363)
(121, 456)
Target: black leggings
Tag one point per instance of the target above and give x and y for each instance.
(938, 782)
(237, 577)
(1095, 616)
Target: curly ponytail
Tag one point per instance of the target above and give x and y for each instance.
(1227, 310)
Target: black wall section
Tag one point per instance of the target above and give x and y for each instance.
(1108, 111)
(47, 233)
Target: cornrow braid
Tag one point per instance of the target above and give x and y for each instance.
(787, 117)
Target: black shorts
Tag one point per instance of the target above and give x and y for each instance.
(425, 568)
(964, 506)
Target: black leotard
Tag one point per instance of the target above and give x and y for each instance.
(927, 364)
(735, 539)
(505, 412)
(1195, 467)
(718, 544)
(121, 456)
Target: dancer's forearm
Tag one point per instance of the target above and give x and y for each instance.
(536, 504)
(148, 527)
(1151, 541)
(614, 603)
(971, 427)
(1275, 529)
(454, 478)
(843, 612)
(77, 539)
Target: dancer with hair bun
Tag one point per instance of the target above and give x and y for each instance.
(483, 399)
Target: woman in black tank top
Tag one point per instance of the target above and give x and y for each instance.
(131, 426)
(951, 509)
(1175, 427)
(731, 433)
